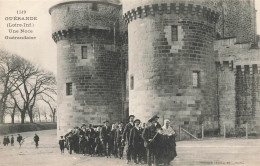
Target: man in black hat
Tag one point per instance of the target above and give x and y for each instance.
(143, 149)
(112, 140)
(149, 136)
(82, 139)
(119, 136)
(136, 142)
(90, 133)
(76, 139)
(126, 134)
(105, 138)
(122, 124)
(154, 120)
(70, 141)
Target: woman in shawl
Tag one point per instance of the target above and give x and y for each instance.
(168, 139)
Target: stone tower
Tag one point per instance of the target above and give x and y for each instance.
(171, 61)
(89, 63)
(191, 61)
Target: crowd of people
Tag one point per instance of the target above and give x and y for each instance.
(149, 143)
(144, 143)
(20, 140)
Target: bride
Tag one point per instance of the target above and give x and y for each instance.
(168, 145)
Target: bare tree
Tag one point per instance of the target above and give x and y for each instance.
(45, 85)
(18, 115)
(8, 78)
(36, 112)
(44, 113)
(24, 83)
(52, 117)
(52, 105)
(11, 109)
(35, 82)
(21, 109)
(22, 96)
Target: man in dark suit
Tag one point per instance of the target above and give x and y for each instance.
(82, 141)
(144, 156)
(149, 136)
(69, 141)
(36, 140)
(136, 142)
(112, 140)
(126, 134)
(75, 138)
(119, 143)
(90, 133)
(105, 138)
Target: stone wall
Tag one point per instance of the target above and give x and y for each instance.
(247, 98)
(226, 96)
(162, 69)
(237, 18)
(241, 80)
(134, 66)
(124, 54)
(96, 80)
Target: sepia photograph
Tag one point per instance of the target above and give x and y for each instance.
(129, 82)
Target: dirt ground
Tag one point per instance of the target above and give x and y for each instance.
(214, 152)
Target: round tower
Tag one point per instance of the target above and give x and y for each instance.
(89, 63)
(171, 61)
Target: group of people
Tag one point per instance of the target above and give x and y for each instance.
(20, 140)
(149, 143)
(6, 140)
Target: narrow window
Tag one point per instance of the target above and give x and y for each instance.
(186, 122)
(174, 33)
(255, 70)
(195, 79)
(84, 50)
(68, 89)
(132, 82)
(94, 7)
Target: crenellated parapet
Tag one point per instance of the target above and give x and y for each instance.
(250, 68)
(69, 33)
(237, 56)
(80, 17)
(238, 86)
(191, 10)
(225, 64)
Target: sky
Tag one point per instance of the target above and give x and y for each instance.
(41, 50)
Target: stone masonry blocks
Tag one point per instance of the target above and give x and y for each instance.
(162, 69)
(97, 79)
